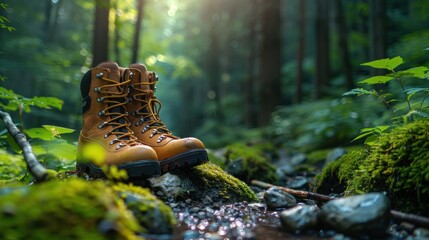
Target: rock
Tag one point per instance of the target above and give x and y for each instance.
(72, 209)
(206, 183)
(298, 182)
(421, 233)
(334, 155)
(362, 214)
(298, 159)
(300, 218)
(171, 185)
(151, 213)
(276, 198)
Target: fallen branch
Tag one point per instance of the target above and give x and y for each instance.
(296, 193)
(33, 165)
(396, 215)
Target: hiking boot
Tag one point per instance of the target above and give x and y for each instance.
(105, 124)
(143, 108)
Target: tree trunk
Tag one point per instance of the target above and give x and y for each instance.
(270, 59)
(137, 31)
(322, 48)
(116, 37)
(53, 28)
(378, 48)
(48, 15)
(342, 35)
(249, 86)
(100, 45)
(300, 51)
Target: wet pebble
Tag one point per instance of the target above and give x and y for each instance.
(300, 218)
(421, 233)
(362, 214)
(276, 198)
(298, 182)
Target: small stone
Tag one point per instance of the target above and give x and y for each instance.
(298, 159)
(276, 198)
(362, 214)
(300, 218)
(421, 233)
(188, 235)
(298, 182)
(188, 201)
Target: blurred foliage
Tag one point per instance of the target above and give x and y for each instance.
(410, 105)
(323, 124)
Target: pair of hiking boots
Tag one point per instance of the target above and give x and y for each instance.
(121, 117)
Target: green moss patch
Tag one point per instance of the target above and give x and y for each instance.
(74, 209)
(253, 161)
(397, 163)
(215, 182)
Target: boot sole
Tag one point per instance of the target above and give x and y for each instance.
(184, 160)
(139, 169)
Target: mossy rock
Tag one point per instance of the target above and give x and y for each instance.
(77, 209)
(335, 176)
(206, 183)
(397, 163)
(152, 214)
(73, 209)
(251, 162)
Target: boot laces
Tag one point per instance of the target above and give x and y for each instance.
(116, 112)
(149, 111)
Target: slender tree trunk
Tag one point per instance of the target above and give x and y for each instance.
(53, 28)
(342, 34)
(322, 48)
(270, 64)
(116, 37)
(300, 51)
(100, 45)
(378, 48)
(48, 16)
(249, 86)
(137, 31)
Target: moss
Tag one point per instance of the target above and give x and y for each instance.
(397, 163)
(12, 168)
(74, 209)
(254, 162)
(335, 176)
(212, 178)
(153, 214)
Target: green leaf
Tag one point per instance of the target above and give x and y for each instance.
(47, 102)
(360, 92)
(417, 72)
(386, 63)
(11, 141)
(56, 130)
(40, 133)
(61, 149)
(412, 91)
(377, 80)
(362, 136)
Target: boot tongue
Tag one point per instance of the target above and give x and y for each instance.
(116, 75)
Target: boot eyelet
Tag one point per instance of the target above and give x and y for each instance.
(131, 74)
(102, 125)
(100, 99)
(101, 113)
(99, 75)
(97, 89)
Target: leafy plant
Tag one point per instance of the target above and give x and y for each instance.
(406, 109)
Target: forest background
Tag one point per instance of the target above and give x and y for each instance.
(229, 70)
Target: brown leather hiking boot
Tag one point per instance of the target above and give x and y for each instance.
(143, 108)
(104, 113)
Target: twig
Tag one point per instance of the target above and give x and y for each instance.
(296, 193)
(33, 165)
(396, 215)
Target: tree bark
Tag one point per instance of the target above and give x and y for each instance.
(342, 34)
(36, 169)
(378, 48)
(100, 46)
(270, 61)
(300, 51)
(322, 48)
(116, 37)
(137, 30)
